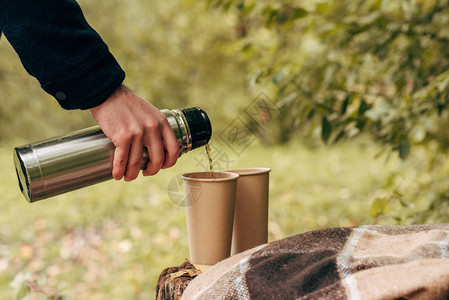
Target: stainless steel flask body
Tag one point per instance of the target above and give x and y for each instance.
(82, 158)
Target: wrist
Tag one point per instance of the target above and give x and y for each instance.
(117, 94)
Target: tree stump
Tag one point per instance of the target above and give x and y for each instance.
(174, 280)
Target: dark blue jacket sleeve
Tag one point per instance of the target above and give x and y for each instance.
(58, 47)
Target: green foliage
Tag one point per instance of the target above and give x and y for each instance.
(369, 66)
(337, 69)
(378, 207)
(326, 129)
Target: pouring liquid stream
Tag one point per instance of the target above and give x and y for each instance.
(209, 155)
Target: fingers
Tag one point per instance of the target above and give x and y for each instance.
(155, 147)
(162, 148)
(134, 159)
(170, 145)
(132, 123)
(120, 161)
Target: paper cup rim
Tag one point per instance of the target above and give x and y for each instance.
(250, 171)
(222, 176)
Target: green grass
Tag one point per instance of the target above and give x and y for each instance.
(112, 240)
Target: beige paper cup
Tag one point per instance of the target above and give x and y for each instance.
(210, 202)
(251, 209)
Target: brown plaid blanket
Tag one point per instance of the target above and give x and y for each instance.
(367, 262)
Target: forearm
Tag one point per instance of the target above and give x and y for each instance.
(58, 47)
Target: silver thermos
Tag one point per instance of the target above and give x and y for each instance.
(82, 158)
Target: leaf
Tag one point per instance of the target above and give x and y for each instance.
(311, 113)
(240, 5)
(397, 194)
(378, 207)
(340, 135)
(344, 105)
(227, 5)
(246, 9)
(404, 148)
(363, 107)
(298, 13)
(405, 203)
(362, 120)
(272, 16)
(360, 124)
(326, 129)
(247, 47)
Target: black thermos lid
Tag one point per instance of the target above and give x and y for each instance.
(199, 124)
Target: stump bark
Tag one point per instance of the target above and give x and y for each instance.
(174, 280)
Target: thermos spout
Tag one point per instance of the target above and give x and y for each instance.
(82, 158)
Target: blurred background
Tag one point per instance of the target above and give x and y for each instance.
(346, 102)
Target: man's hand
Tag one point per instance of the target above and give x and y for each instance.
(132, 123)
